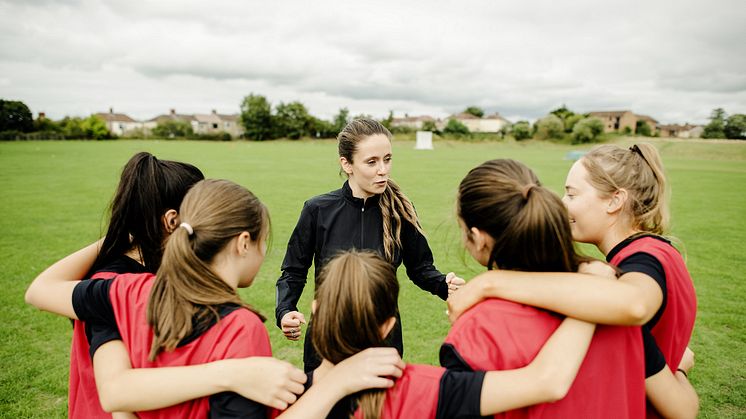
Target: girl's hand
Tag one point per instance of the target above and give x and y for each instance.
(290, 324)
(454, 283)
(467, 296)
(597, 268)
(266, 380)
(687, 361)
(371, 368)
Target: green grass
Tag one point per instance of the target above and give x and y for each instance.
(53, 197)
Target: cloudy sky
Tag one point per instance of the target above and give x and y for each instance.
(673, 60)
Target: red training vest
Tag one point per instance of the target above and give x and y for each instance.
(415, 394)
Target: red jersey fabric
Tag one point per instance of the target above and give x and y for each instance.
(237, 335)
(415, 394)
(501, 335)
(673, 330)
(82, 399)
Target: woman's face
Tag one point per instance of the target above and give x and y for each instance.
(371, 163)
(589, 219)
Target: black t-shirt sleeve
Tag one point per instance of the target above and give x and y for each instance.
(647, 264)
(92, 305)
(451, 359)
(654, 359)
(460, 394)
(232, 405)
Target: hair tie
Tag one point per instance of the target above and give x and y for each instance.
(187, 227)
(527, 190)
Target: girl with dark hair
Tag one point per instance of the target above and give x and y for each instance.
(356, 305)
(189, 312)
(368, 212)
(512, 223)
(143, 214)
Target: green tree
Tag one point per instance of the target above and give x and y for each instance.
(716, 127)
(46, 124)
(587, 130)
(256, 117)
(291, 120)
(341, 119)
(562, 112)
(735, 127)
(475, 110)
(386, 122)
(429, 126)
(456, 128)
(322, 129)
(521, 130)
(642, 128)
(15, 116)
(571, 120)
(173, 128)
(95, 128)
(550, 127)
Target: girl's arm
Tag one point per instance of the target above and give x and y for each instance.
(265, 380)
(52, 290)
(672, 395)
(371, 368)
(632, 300)
(547, 378)
(123, 388)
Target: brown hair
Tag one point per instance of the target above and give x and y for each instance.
(638, 170)
(356, 293)
(528, 222)
(187, 293)
(394, 204)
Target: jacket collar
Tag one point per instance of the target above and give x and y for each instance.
(358, 202)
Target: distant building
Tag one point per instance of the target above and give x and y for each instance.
(489, 123)
(171, 116)
(412, 122)
(623, 120)
(681, 131)
(118, 123)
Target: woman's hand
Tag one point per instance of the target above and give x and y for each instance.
(467, 296)
(266, 380)
(371, 368)
(291, 324)
(454, 283)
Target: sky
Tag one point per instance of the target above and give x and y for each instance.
(672, 60)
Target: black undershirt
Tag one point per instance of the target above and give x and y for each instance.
(647, 264)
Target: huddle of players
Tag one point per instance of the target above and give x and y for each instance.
(140, 304)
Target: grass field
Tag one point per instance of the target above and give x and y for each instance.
(53, 197)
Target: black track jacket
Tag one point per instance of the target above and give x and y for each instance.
(338, 221)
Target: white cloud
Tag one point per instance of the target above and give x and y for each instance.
(673, 61)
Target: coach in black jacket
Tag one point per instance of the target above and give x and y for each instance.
(343, 220)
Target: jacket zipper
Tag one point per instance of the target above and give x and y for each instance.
(362, 227)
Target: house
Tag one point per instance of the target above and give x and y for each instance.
(623, 120)
(489, 123)
(616, 120)
(412, 122)
(119, 123)
(171, 116)
(681, 131)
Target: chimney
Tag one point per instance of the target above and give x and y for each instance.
(111, 110)
(173, 111)
(214, 112)
(42, 116)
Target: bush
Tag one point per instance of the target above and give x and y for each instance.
(456, 128)
(429, 126)
(521, 130)
(550, 127)
(735, 127)
(587, 130)
(642, 128)
(174, 128)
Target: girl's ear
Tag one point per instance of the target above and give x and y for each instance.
(480, 239)
(387, 326)
(170, 220)
(346, 165)
(617, 201)
(244, 243)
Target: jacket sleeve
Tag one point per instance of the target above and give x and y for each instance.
(418, 259)
(298, 259)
